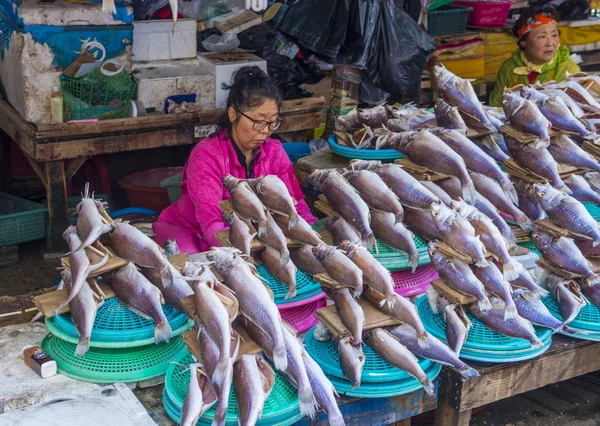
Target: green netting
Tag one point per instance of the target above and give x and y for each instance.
(103, 365)
(305, 285)
(281, 404)
(587, 319)
(529, 245)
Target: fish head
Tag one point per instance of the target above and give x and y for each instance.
(322, 251)
(437, 258)
(70, 231)
(529, 93)
(222, 257)
(441, 214)
(554, 282)
(547, 195)
(349, 247)
(318, 177)
(463, 208)
(231, 182)
(511, 102)
(541, 240)
(365, 165)
(444, 78)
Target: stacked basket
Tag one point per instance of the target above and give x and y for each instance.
(122, 345)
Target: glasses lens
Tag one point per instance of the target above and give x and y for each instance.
(260, 125)
(274, 125)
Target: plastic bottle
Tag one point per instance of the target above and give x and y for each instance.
(56, 105)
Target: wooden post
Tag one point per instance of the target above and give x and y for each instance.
(56, 187)
(447, 415)
(405, 422)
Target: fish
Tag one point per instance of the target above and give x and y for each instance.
(200, 396)
(440, 193)
(344, 199)
(286, 273)
(301, 231)
(526, 281)
(275, 239)
(347, 123)
(493, 192)
(475, 159)
(459, 92)
(350, 312)
(593, 179)
(427, 150)
(515, 327)
(457, 275)
(404, 120)
(582, 191)
(341, 230)
(528, 202)
(434, 350)
(254, 299)
(578, 93)
(395, 235)
(587, 248)
(295, 371)
(134, 246)
(141, 297)
(490, 146)
(567, 212)
(173, 294)
(90, 223)
(246, 203)
(490, 236)
(275, 196)
(305, 260)
(457, 326)
(592, 293)
(449, 117)
(324, 391)
(567, 295)
(495, 283)
(375, 192)
(171, 248)
(83, 309)
(340, 268)
(525, 116)
(373, 272)
(240, 234)
(556, 111)
(387, 346)
(254, 380)
(562, 253)
(458, 233)
(372, 117)
(565, 151)
(573, 106)
(533, 310)
(421, 223)
(352, 360)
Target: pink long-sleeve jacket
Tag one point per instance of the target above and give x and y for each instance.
(193, 220)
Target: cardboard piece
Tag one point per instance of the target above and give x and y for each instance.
(419, 172)
(326, 281)
(94, 255)
(76, 68)
(247, 345)
(451, 294)
(549, 227)
(517, 135)
(225, 296)
(48, 302)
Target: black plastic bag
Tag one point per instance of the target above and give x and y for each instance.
(574, 10)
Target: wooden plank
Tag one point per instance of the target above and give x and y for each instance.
(56, 188)
(114, 262)
(445, 415)
(37, 167)
(16, 127)
(73, 166)
(48, 302)
(405, 422)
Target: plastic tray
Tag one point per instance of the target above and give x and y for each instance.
(363, 154)
(21, 220)
(281, 404)
(297, 150)
(173, 185)
(410, 284)
(588, 318)
(104, 365)
(305, 285)
(312, 297)
(117, 327)
(303, 317)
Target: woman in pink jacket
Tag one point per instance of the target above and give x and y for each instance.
(241, 148)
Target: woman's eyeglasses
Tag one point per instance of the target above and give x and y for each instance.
(260, 125)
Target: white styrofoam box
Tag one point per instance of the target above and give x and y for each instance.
(154, 85)
(223, 66)
(166, 63)
(157, 40)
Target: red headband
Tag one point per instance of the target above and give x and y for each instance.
(534, 22)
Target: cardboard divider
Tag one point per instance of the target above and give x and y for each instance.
(419, 172)
(48, 302)
(451, 294)
(95, 256)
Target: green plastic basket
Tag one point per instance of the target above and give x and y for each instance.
(281, 405)
(588, 318)
(306, 286)
(104, 365)
(116, 326)
(529, 245)
(593, 210)
(21, 220)
(173, 185)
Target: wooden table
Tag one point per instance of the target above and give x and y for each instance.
(567, 358)
(57, 151)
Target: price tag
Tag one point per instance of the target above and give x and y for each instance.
(203, 131)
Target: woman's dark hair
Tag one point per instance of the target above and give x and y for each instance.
(249, 88)
(530, 13)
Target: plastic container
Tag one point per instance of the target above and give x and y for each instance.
(21, 220)
(486, 13)
(303, 317)
(143, 188)
(448, 20)
(173, 186)
(409, 284)
(56, 105)
(363, 154)
(296, 150)
(305, 285)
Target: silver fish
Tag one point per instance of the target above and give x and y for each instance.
(567, 212)
(173, 294)
(526, 281)
(255, 301)
(565, 151)
(587, 248)
(350, 312)
(340, 268)
(275, 195)
(490, 146)
(395, 235)
(495, 283)
(254, 380)
(275, 239)
(568, 297)
(458, 233)
(577, 111)
(562, 253)
(375, 192)
(246, 203)
(425, 149)
(491, 190)
(593, 179)
(514, 327)
(532, 309)
(347, 123)
(200, 396)
(372, 117)
(582, 191)
(434, 350)
(421, 223)
(448, 117)
(344, 199)
(440, 193)
(90, 224)
(592, 293)
(301, 231)
(141, 297)
(457, 326)
(324, 391)
(390, 349)
(352, 360)
(457, 274)
(305, 260)
(83, 309)
(528, 202)
(239, 233)
(578, 93)
(525, 116)
(341, 230)
(286, 273)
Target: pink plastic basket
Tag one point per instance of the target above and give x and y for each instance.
(408, 284)
(486, 13)
(303, 317)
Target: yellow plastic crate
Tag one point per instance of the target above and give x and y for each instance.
(467, 68)
(579, 35)
(493, 64)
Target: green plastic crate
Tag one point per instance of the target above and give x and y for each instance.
(173, 185)
(21, 220)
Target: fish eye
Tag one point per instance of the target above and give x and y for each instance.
(542, 194)
(431, 253)
(505, 101)
(457, 211)
(435, 214)
(438, 74)
(534, 235)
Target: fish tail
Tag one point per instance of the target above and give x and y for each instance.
(162, 332)
(222, 370)
(482, 263)
(294, 218)
(356, 341)
(422, 340)
(511, 312)
(428, 386)
(262, 228)
(82, 347)
(510, 190)
(468, 191)
(284, 258)
(220, 414)
(291, 293)
(308, 403)
(391, 301)
(280, 357)
(413, 261)
(540, 293)
(537, 344)
(484, 304)
(510, 271)
(468, 372)
(62, 306)
(98, 265)
(369, 241)
(166, 277)
(593, 280)
(433, 297)
(525, 223)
